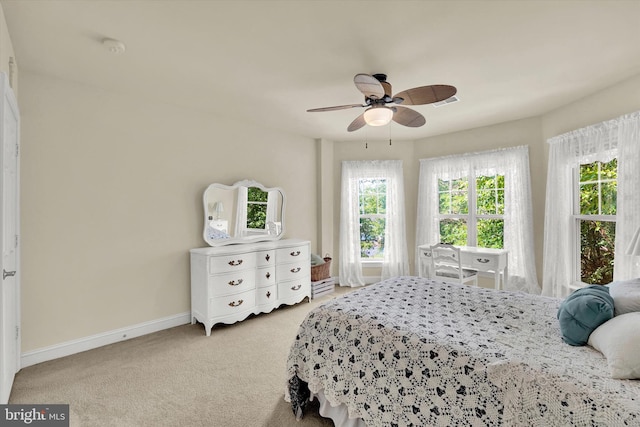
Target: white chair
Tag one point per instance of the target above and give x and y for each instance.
(446, 265)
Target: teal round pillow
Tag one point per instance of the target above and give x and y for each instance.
(583, 311)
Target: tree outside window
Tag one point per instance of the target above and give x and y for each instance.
(372, 203)
(472, 214)
(256, 208)
(595, 218)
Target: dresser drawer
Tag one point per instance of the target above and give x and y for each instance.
(484, 262)
(232, 283)
(291, 289)
(266, 276)
(224, 306)
(294, 270)
(265, 258)
(425, 255)
(293, 254)
(222, 264)
(267, 295)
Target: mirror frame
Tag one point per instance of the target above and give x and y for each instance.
(245, 239)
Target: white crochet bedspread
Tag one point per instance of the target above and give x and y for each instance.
(409, 351)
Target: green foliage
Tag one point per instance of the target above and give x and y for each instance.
(597, 244)
(491, 233)
(454, 200)
(490, 195)
(373, 208)
(453, 231)
(372, 237)
(256, 208)
(254, 194)
(453, 196)
(598, 188)
(598, 196)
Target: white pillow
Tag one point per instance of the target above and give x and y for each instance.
(618, 340)
(626, 295)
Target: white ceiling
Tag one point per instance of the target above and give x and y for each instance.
(269, 61)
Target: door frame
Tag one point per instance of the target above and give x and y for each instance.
(9, 100)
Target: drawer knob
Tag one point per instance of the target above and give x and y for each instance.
(483, 260)
(427, 254)
(234, 283)
(268, 275)
(268, 294)
(295, 270)
(234, 262)
(267, 257)
(296, 287)
(235, 304)
(296, 253)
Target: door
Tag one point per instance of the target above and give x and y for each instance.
(9, 236)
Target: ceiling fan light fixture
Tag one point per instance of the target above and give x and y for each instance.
(378, 116)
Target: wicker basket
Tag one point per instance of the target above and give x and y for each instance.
(322, 271)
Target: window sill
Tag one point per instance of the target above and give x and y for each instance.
(371, 263)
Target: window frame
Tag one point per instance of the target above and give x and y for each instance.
(577, 217)
(370, 261)
(472, 202)
(253, 202)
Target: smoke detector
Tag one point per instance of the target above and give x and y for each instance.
(114, 46)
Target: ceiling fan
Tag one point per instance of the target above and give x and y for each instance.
(377, 94)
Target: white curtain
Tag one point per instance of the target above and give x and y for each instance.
(241, 212)
(395, 260)
(513, 163)
(601, 142)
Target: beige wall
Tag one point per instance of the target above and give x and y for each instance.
(111, 202)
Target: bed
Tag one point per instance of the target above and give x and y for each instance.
(410, 351)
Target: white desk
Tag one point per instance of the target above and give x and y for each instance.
(482, 259)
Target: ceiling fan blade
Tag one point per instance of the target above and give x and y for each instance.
(426, 94)
(357, 123)
(369, 86)
(408, 117)
(337, 107)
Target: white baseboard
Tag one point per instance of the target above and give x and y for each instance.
(88, 343)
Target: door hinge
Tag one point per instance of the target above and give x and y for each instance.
(17, 150)
(17, 240)
(17, 332)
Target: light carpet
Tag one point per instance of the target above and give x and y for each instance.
(179, 377)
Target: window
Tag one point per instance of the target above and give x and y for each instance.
(372, 220)
(481, 199)
(256, 208)
(592, 193)
(595, 206)
(372, 203)
(472, 214)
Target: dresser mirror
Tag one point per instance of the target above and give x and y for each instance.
(244, 212)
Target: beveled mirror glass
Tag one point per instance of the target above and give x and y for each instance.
(246, 211)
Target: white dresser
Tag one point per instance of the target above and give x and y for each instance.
(228, 283)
